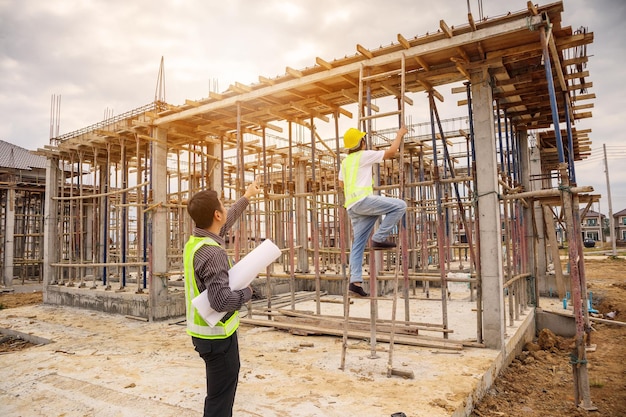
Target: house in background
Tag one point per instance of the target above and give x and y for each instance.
(591, 225)
(620, 226)
(22, 191)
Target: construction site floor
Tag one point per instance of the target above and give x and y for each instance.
(99, 364)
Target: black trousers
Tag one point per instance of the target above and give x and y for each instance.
(221, 357)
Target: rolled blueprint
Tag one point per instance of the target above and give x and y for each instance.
(239, 277)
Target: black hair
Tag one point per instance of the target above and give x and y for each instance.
(202, 206)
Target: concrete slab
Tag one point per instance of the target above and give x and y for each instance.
(102, 364)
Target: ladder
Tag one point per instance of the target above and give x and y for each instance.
(367, 113)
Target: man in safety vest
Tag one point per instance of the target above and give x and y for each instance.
(363, 206)
(206, 267)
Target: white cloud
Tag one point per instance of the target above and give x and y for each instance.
(101, 54)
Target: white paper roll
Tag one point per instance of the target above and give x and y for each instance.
(239, 277)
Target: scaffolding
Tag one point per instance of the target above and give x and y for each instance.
(22, 196)
(118, 189)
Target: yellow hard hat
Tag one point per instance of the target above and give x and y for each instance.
(352, 138)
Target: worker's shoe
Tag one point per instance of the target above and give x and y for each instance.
(357, 289)
(387, 244)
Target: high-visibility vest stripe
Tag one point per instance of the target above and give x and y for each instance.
(196, 326)
(352, 192)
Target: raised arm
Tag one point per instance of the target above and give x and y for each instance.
(391, 152)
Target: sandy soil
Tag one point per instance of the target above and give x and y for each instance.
(538, 383)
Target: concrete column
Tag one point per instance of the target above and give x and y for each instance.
(540, 259)
(103, 231)
(529, 234)
(158, 224)
(490, 230)
(50, 226)
(537, 265)
(89, 237)
(302, 219)
(9, 238)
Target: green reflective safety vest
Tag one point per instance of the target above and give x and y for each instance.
(352, 192)
(196, 326)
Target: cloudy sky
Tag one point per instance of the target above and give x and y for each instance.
(102, 57)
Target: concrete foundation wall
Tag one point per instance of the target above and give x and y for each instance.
(511, 349)
(130, 304)
(547, 285)
(559, 324)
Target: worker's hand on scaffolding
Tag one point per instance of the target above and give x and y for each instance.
(395, 145)
(253, 189)
(403, 131)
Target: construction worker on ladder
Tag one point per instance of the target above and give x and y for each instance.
(363, 206)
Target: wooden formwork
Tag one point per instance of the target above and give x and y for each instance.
(129, 224)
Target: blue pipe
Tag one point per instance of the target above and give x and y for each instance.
(432, 131)
(500, 137)
(471, 122)
(513, 150)
(551, 92)
(570, 140)
(509, 149)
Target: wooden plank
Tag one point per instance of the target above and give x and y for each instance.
(580, 86)
(364, 51)
(445, 28)
(415, 327)
(554, 249)
(471, 21)
(589, 96)
(505, 29)
(402, 340)
(322, 63)
(575, 75)
(338, 325)
(294, 72)
(265, 80)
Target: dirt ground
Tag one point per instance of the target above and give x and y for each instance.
(540, 381)
(12, 300)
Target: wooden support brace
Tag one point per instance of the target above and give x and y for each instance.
(322, 63)
(265, 80)
(364, 51)
(445, 28)
(294, 72)
(472, 24)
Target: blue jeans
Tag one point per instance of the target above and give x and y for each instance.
(364, 215)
